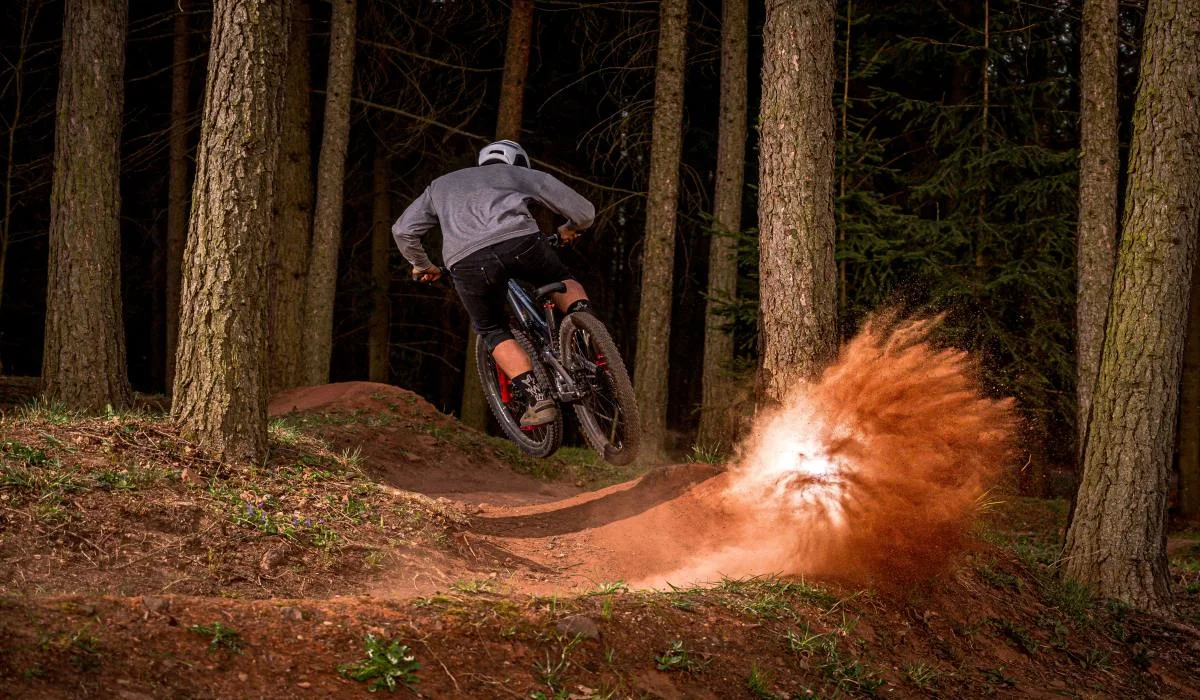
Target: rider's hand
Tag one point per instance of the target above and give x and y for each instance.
(567, 234)
(432, 274)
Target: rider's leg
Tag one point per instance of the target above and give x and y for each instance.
(575, 292)
(511, 358)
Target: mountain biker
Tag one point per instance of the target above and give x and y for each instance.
(488, 237)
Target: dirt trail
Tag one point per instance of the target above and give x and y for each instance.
(541, 536)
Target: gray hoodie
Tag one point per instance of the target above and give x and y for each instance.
(482, 206)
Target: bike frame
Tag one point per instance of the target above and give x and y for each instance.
(543, 329)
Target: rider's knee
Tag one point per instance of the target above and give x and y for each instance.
(492, 338)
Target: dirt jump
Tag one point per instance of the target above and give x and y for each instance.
(869, 476)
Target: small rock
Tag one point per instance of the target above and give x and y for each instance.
(273, 558)
(578, 626)
(291, 613)
(156, 604)
(304, 684)
(243, 677)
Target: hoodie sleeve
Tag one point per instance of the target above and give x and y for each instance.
(411, 227)
(565, 201)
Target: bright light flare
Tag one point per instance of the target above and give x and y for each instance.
(789, 465)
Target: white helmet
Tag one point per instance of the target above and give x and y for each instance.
(505, 151)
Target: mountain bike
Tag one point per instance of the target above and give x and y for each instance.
(577, 363)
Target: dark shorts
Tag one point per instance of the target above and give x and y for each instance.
(481, 280)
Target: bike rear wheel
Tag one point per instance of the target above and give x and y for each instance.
(538, 441)
(608, 415)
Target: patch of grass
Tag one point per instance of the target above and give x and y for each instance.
(679, 658)
(609, 588)
(51, 412)
(1000, 579)
(759, 683)
(707, 454)
(387, 666)
(921, 675)
(1072, 598)
(554, 670)
(20, 452)
(1018, 635)
(129, 479)
(849, 674)
(473, 586)
(805, 642)
(222, 637)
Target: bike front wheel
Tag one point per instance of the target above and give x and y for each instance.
(537, 441)
(608, 415)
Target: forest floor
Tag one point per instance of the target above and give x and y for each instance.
(383, 540)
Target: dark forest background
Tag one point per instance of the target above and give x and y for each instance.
(956, 174)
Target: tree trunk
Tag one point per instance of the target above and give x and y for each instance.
(658, 252)
(1098, 164)
(1189, 411)
(516, 68)
(1116, 543)
(508, 126)
(327, 224)
(727, 221)
(379, 340)
(177, 180)
(83, 365)
(797, 273)
(220, 397)
(294, 201)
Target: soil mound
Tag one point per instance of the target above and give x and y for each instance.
(406, 443)
(347, 396)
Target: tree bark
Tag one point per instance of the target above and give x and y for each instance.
(294, 202)
(379, 334)
(727, 222)
(658, 251)
(797, 273)
(1116, 543)
(327, 223)
(516, 69)
(177, 179)
(220, 396)
(83, 364)
(1189, 411)
(1098, 172)
(508, 126)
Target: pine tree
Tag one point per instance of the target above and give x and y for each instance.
(321, 284)
(1098, 163)
(474, 410)
(293, 212)
(83, 363)
(727, 221)
(797, 272)
(379, 335)
(1116, 543)
(177, 180)
(220, 396)
(658, 251)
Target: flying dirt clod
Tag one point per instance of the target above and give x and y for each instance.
(871, 475)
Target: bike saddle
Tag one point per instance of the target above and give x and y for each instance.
(555, 288)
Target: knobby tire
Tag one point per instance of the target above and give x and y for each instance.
(615, 389)
(543, 440)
